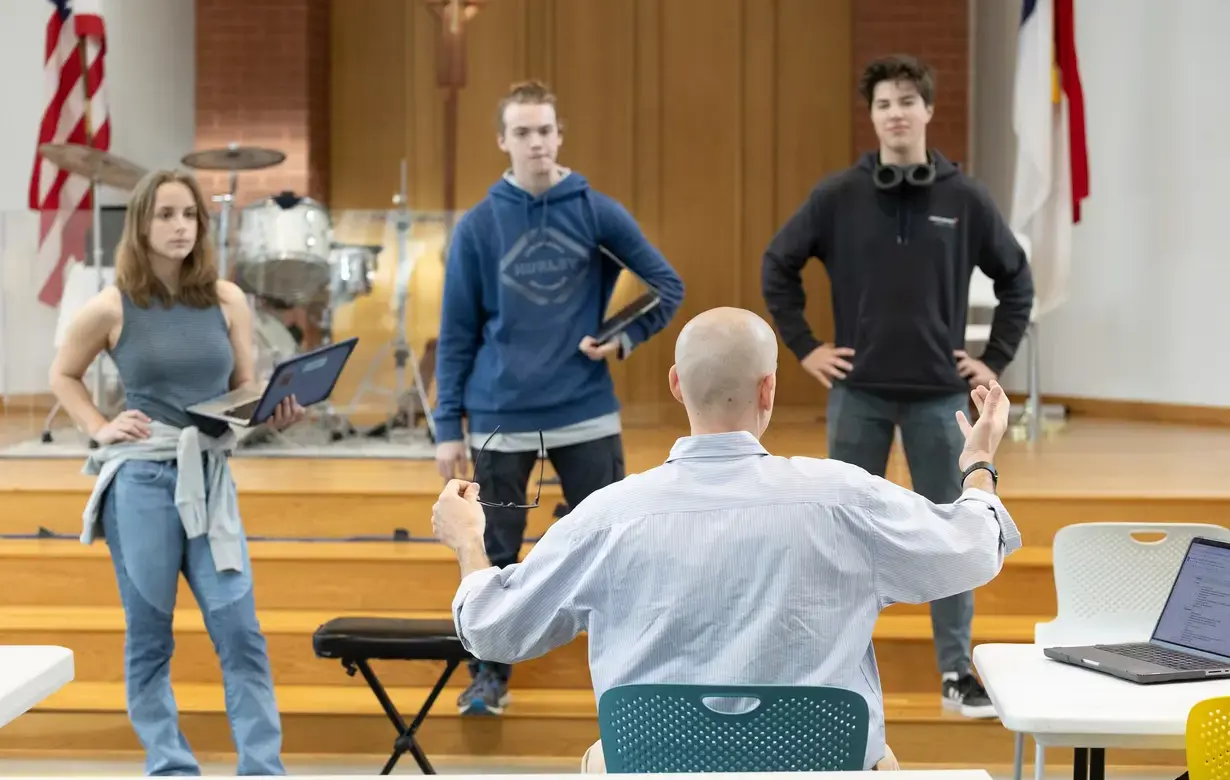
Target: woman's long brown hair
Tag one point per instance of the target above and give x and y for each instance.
(198, 277)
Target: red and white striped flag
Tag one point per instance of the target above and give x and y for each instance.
(1052, 164)
(76, 113)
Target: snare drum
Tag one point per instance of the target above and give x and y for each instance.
(352, 270)
(284, 245)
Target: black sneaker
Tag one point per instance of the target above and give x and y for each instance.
(966, 695)
(487, 695)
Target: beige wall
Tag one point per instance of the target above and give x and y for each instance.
(1145, 318)
(994, 60)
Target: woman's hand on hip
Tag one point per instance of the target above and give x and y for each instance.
(129, 425)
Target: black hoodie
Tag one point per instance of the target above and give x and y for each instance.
(900, 263)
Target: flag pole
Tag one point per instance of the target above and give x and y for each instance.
(96, 216)
(1034, 401)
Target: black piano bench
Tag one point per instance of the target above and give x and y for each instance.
(357, 640)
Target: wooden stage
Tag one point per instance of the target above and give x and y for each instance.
(60, 592)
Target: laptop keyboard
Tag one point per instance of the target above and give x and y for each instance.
(1162, 657)
(243, 411)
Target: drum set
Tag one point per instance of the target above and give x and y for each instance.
(282, 253)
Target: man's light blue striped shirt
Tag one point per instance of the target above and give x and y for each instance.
(727, 565)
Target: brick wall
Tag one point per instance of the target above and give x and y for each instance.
(262, 79)
(263, 65)
(938, 32)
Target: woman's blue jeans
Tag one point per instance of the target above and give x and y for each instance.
(149, 550)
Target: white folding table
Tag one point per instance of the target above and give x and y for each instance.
(1061, 705)
(29, 674)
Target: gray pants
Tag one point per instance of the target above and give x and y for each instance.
(860, 432)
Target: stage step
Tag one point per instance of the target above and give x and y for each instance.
(350, 576)
(903, 644)
(88, 717)
(285, 498)
(342, 576)
(316, 499)
(327, 516)
(96, 637)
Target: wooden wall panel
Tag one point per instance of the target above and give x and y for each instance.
(709, 119)
(368, 101)
(642, 379)
(593, 71)
(813, 71)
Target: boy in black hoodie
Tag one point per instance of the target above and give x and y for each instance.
(900, 233)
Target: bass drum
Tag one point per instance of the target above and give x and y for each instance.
(284, 243)
(353, 271)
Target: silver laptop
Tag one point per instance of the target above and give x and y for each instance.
(309, 377)
(615, 324)
(1191, 640)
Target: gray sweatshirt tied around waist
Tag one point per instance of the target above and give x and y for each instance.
(204, 491)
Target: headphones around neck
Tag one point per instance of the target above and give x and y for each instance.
(890, 177)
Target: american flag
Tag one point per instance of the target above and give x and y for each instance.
(76, 113)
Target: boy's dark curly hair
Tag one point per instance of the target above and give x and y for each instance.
(898, 67)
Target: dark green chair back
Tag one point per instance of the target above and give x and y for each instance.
(740, 728)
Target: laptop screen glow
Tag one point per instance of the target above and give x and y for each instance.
(1197, 614)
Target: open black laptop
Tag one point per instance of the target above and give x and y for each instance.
(309, 377)
(1191, 640)
(615, 324)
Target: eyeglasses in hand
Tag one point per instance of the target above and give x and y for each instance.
(542, 465)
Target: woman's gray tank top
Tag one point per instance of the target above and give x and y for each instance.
(172, 358)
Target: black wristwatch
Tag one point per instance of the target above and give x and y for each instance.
(982, 464)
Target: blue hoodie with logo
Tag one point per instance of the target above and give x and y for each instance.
(524, 284)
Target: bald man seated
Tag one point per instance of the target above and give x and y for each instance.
(728, 565)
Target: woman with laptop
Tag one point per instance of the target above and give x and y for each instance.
(164, 500)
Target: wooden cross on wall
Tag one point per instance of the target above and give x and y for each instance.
(451, 41)
(451, 77)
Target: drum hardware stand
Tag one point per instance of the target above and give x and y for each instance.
(224, 220)
(99, 167)
(96, 391)
(1035, 419)
(402, 416)
(338, 425)
(233, 158)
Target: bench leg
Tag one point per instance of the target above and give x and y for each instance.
(405, 742)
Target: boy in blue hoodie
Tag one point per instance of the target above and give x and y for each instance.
(525, 286)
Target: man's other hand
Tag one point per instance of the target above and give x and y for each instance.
(983, 437)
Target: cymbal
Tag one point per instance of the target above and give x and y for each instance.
(94, 164)
(234, 158)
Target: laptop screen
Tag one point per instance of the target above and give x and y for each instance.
(1197, 614)
(612, 324)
